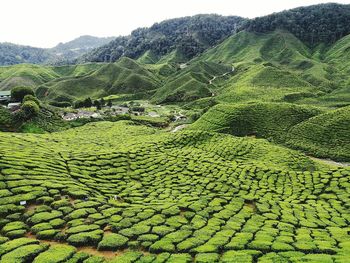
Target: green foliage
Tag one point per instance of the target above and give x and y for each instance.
(30, 109)
(188, 36)
(18, 93)
(112, 241)
(31, 98)
(24, 253)
(267, 120)
(316, 24)
(56, 254)
(186, 196)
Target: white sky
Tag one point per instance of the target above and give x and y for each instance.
(45, 23)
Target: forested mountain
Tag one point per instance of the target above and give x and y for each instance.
(11, 54)
(324, 23)
(63, 53)
(188, 35)
(79, 46)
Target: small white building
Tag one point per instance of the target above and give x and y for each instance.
(5, 95)
(14, 106)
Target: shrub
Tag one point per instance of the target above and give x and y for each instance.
(40, 227)
(16, 233)
(44, 217)
(162, 245)
(82, 228)
(127, 257)
(236, 256)
(31, 98)
(13, 244)
(29, 109)
(24, 254)
(17, 225)
(46, 234)
(185, 258)
(112, 241)
(85, 238)
(207, 257)
(56, 254)
(18, 93)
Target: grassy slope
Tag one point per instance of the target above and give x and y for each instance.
(326, 135)
(272, 67)
(186, 193)
(125, 76)
(35, 75)
(190, 83)
(25, 75)
(320, 133)
(264, 120)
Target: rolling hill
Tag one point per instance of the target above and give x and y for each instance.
(123, 77)
(236, 185)
(310, 129)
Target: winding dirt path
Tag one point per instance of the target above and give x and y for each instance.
(330, 162)
(178, 128)
(219, 76)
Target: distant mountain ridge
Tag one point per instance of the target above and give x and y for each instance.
(186, 36)
(313, 25)
(63, 53)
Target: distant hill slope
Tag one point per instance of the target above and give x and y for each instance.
(316, 24)
(277, 66)
(77, 47)
(11, 54)
(124, 77)
(188, 35)
(35, 75)
(63, 53)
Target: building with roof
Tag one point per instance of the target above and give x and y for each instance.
(5, 96)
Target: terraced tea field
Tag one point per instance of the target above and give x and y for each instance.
(121, 192)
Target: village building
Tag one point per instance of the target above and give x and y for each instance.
(5, 96)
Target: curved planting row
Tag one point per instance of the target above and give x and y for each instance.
(124, 193)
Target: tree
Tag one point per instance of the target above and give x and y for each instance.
(109, 103)
(78, 104)
(88, 102)
(18, 93)
(97, 104)
(29, 109)
(31, 98)
(103, 102)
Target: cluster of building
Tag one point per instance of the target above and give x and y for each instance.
(5, 100)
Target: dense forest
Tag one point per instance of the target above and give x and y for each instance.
(11, 54)
(190, 35)
(324, 23)
(63, 53)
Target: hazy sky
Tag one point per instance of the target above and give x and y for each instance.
(45, 23)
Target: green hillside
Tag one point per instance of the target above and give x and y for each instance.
(314, 25)
(319, 133)
(180, 38)
(325, 135)
(35, 75)
(124, 77)
(265, 120)
(184, 197)
(272, 67)
(25, 75)
(191, 83)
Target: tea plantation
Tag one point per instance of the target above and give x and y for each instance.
(120, 192)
